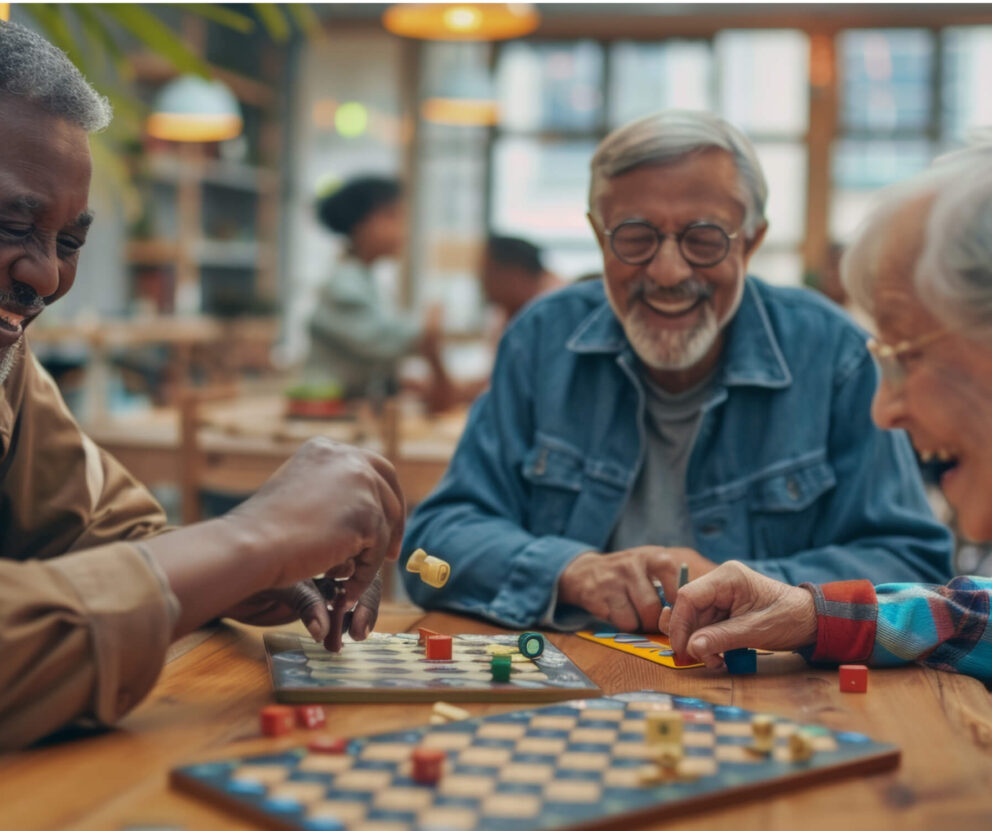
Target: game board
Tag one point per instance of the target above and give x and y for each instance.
(394, 668)
(572, 764)
(654, 648)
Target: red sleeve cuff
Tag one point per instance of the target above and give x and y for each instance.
(845, 615)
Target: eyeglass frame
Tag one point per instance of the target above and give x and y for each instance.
(887, 355)
(661, 236)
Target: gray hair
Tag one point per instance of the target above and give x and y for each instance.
(953, 274)
(32, 69)
(671, 135)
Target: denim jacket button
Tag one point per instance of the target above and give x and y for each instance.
(792, 487)
(541, 465)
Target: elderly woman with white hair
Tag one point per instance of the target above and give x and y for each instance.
(922, 267)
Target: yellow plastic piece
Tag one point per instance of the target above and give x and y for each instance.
(432, 570)
(663, 728)
(800, 746)
(763, 730)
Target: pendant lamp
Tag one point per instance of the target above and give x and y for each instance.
(461, 21)
(191, 108)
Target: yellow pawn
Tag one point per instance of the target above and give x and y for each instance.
(800, 746)
(663, 727)
(432, 570)
(763, 731)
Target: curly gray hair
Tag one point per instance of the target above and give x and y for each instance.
(669, 135)
(953, 274)
(32, 69)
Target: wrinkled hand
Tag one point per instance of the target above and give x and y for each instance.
(734, 607)
(617, 587)
(332, 509)
(319, 604)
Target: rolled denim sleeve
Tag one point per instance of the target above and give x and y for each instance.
(876, 523)
(477, 517)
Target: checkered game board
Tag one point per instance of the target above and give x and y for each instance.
(393, 667)
(568, 765)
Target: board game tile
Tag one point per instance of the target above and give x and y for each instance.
(584, 761)
(448, 740)
(563, 790)
(632, 725)
(403, 799)
(484, 756)
(456, 784)
(363, 780)
(632, 750)
(537, 744)
(552, 722)
(622, 777)
(302, 792)
(380, 825)
(347, 812)
(500, 730)
(385, 752)
(527, 773)
(515, 805)
(649, 706)
(735, 753)
(734, 728)
(592, 735)
(599, 714)
(324, 763)
(455, 819)
(266, 774)
(698, 738)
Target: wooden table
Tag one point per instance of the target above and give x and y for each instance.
(206, 704)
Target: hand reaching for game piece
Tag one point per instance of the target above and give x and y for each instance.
(617, 587)
(734, 607)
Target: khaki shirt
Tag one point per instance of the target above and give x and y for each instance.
(85, 617)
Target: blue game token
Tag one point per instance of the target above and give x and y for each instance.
(323, 824)
(245, 787)
(852, 738)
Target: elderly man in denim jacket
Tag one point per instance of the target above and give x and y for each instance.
(678, 411)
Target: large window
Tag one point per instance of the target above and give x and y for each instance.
(559, 99)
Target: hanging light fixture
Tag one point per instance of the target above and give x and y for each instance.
(463, 93)
(191, 108)
(4, 11)
(461, 21)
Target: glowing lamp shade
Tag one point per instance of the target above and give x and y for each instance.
(461, 21)
(4, 11)
(460, 112)
(191, 108)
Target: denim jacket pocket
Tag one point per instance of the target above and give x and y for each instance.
(783, 507)
(554, 470)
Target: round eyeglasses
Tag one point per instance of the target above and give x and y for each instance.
(891, 360)
(701, 244)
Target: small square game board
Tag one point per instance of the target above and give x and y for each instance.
(395, 668)
(569, 765)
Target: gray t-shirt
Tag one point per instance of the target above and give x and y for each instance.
(657, 513)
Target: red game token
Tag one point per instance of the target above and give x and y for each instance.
(277, 720)
(427, 764)
(328, 744)
(310, 716)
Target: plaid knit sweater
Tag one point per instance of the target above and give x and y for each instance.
(945, 627)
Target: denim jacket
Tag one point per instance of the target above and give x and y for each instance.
(787, 473)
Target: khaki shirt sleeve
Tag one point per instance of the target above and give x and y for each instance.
(83, 635)
(85, 615)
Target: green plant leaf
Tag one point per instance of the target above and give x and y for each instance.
(156, 36)
(222, 15)
(102, 40)
(54, 22)
(305, 18)
(272, 18)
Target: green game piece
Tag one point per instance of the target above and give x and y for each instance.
(683, 574)
(500, 659)
(501, 670)
(531, 644)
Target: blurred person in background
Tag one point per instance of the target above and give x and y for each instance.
(356, 339)
(513, 274)
(921, 265)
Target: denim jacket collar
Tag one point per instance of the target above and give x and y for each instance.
(752, 355)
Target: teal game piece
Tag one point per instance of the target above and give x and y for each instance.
(531, 644)
(741, 661)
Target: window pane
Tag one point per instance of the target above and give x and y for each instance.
(550, 86)
(785, 171)
(782, 268)
(967, 72)
(886, 79)
(860, 168)
(763, 80)
(645, 77)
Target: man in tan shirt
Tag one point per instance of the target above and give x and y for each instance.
(86, 610)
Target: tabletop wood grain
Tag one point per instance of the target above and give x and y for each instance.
(205, 705)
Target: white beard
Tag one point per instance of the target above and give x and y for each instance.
(668, 349)
(8, 359)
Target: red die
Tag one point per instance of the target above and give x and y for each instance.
(853, 678)
(439, 647)
(310, 716)
(427, 765)
(328, 744)
(423, 634)
(277, 720)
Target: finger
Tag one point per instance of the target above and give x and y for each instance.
(337, 612)
(342, 571)
(306, 600)
(664, 620)
(733, 633)
(661, 566)
(621, 613)
(367, 611)
(644, 598)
